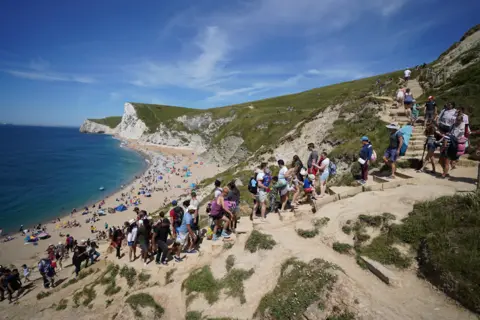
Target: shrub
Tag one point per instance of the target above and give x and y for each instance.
(144, 300)
(258, 240)
(229, 262)
(168, 276)
(143, 277)
(300, 284)
(307, 233)
(342, 247)
(43, 294)
(62, 305)
(129, 274)
(347, 230)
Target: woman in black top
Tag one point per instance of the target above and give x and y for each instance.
(234, 195)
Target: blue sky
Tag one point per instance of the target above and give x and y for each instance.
(64, 61)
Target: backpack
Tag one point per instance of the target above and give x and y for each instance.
(252, 185)
(332, 168)
(178, 214)
(267, 179)
(452, 147)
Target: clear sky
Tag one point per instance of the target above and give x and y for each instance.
(64, 61)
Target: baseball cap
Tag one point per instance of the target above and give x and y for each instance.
(174, 202)
(364, 138)
(393, 126)
(431, 98)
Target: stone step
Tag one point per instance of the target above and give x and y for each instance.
(381, 271)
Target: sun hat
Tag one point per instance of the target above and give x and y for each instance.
(193, 208)
(303, 172)
(393, 126)
(174, 202)
(364, 138)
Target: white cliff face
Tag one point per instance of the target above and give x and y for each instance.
(167, 137)
(131, 126)
(93, 127)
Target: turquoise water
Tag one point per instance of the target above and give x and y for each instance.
(45, 172)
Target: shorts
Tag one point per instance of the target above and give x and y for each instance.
(324, 176)
(181, 238)
(406, 78)
(407, 104)
(431, 147)
(143, 246)
(131, 243)
(391, 154)
(261, 196)
(283, 191)
(218, 216)
(308, 190)
(429, 116)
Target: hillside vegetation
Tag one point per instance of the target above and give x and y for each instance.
(265, 122)
(111, 122)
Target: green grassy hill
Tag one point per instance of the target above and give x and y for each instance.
(255, 120)
(111, 122)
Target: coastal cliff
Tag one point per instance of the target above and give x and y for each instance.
(90, 126)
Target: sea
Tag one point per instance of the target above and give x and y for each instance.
(45, 172)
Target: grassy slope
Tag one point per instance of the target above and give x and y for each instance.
(265, 112)
(111, 122)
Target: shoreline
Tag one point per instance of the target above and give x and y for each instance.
(159, 158)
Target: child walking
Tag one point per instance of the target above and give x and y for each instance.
(26, 273)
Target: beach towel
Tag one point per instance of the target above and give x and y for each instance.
(406, 132)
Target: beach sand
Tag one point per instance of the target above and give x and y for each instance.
(16, 252)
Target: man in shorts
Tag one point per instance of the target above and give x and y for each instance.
(185, 234)
(430, 110)
(262, 193)
(392, 153)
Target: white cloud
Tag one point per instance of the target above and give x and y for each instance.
(32, 75)
(39, 69)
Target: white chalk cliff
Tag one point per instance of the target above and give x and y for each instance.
(93, 127)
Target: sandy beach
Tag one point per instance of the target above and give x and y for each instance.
(163, 191)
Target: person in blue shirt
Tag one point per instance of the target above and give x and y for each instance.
(365, 156)
(185, 231)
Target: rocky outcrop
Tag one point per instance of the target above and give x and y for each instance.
(93, 127)
(459, 56)
(199, 130)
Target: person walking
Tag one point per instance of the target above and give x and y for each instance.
(365, 155)
(392, 153)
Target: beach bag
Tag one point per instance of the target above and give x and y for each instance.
(252, 185)
(406, 132)
(373, 158)
(462, 146)
(332, 168)
(266, 180)
(178, 214)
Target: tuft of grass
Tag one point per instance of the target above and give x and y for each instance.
(130, 274)
(69, 282)
(227, 245)
(344, 248)
(372, 221)
(112, 289)
(300, 284)
(257, 241)
(85, 273)
(318, 223)
(229, 262)
(168, 276)
(144, 300)
(347, 229)
(387, 216)
(62, 304)
(89, 295)
(193, 315)
(43, 294)
(307, 233)
(362, 237)
(381, 250)
(144, 277)
(202, 281)
(233, 283)
(343, 315)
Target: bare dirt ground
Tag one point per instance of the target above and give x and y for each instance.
(356, 289)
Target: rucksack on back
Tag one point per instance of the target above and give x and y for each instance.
(252, 185)
(332, 167)
(178, 212)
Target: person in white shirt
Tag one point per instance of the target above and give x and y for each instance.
(446, 118)
(324, 171)
(407, 73)
(132, 231)
(261, 196)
